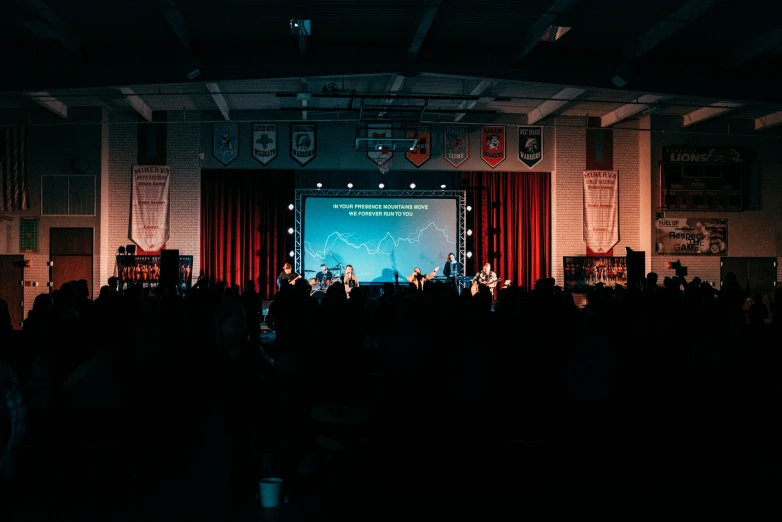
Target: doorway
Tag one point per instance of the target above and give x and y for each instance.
(71, 253)
(12, 288)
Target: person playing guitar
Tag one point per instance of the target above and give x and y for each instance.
(287, 275)
(485, 277)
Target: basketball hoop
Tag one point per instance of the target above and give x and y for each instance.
(386, 165)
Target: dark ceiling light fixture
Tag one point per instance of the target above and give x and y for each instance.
(554, 33)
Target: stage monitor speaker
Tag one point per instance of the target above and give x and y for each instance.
(169, 267)
(636, 264)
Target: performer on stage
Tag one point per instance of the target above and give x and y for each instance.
(349, 279)
(324, 276)
(287, 275)
(452, 269)
(418, 279)
(485, 277)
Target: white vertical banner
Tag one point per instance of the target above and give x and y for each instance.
(150, 217)
(601, 209)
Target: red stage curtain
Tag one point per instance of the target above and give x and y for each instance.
(244, 226)
(517, 208)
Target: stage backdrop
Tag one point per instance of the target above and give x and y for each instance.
(245, 219)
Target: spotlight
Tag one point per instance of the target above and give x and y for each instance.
(290, 207)
(412, 185)
(469, 254)
(469, 231)
(412, 148)
(350, 185)
(291, 253)
(442, 186)
(290, 230)
(469, 208)
(381, 186)
(319, 185)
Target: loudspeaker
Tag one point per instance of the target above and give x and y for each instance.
(169, 267)
(636, 263)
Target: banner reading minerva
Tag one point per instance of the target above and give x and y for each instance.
(601, 209)
(150, 217)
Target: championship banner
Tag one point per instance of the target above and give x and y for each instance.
(303, 146)
(530, 145)
(493, 145)
(601, 209)
(264, 142)
(379, 131)
(423, 149)
(225, 142)
(150, 217)
(692, 236)
(456, 149)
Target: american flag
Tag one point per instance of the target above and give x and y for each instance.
(13, 169)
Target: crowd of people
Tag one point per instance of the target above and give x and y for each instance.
(174, 378)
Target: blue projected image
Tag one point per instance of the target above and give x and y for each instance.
(378, 236)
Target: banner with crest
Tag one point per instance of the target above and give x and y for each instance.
(493, 144)
(264, 142)
(303, 145)
(530, 145)
(225, 139)
(456, 146)
(423, 149)
(380, 130)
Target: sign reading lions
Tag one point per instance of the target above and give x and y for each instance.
(493, 144)
(226, 142)
(303, 142)
(264, 142)
(530, 145)
(423, 150)
(456, 149)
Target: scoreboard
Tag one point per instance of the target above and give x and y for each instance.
(702, 178)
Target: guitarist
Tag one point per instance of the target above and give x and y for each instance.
(485, 277)
(287, 276)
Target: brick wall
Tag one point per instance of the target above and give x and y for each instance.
(123, 153)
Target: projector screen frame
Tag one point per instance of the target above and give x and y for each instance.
(461, 213)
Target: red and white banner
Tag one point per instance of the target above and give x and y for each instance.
(493, 144)
(422, 150)
(150, 217)
(601, 209)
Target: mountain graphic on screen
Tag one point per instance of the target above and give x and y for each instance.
(384, 246)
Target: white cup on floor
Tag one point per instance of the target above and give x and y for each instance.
(271, 491)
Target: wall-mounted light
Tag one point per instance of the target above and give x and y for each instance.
(350, 185)
(442, 186)
(381, 186)
(290, 230)
(469, 254)
(412, 185)
(291, 253)
(469, 231)
(469, 208)
(319, 185)
(290, 207)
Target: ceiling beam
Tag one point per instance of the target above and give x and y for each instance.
(219, 100)
(136, 102)
(178, 25)
(58, 27)
(425, 19)
(752, 49)
(469, 104)
(631, 109)
(563, 97)
(768, 121)
(707, 113)
(540, 25)
(394, 84)
(667, 27)
(50, 102)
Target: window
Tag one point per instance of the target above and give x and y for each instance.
(68, 195)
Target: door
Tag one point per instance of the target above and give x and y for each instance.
(11, 288)
(71, 255)
(759, 272)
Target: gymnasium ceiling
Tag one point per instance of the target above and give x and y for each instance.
(476, 61)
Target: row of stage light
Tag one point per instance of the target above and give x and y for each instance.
(291, 206)
(380, 186)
